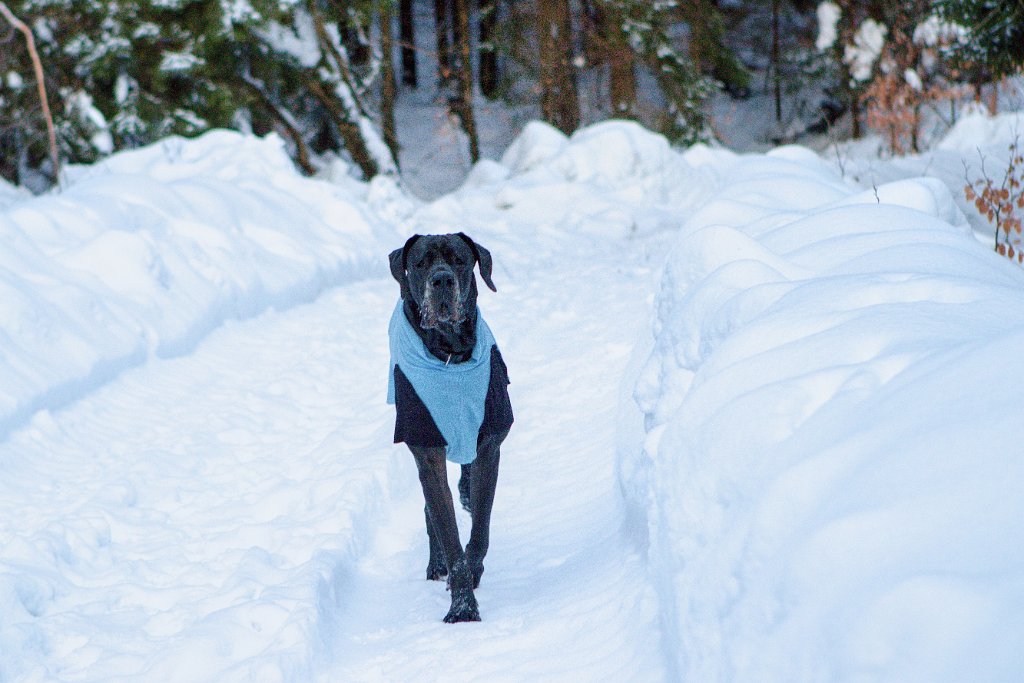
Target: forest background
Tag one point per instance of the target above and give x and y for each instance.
(326, 74)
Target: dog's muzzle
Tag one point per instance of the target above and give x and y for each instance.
(442, 299)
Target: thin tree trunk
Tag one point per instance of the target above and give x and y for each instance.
(622, 82)
(387, 94)
(37, 66)
(776, 75)
(855, 117)
(558, 100)
(488, 50)
(442, 32)
(407, 36)
(457, 32)
(621, 61)
(465, 99)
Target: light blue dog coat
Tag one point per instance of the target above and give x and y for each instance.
(454, 394)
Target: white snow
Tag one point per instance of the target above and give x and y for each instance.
(298, 40)
(861, 55)
(148, 251)
(934, 32)
(766, 420)
(179, 61)
(831, 464)
(828, 14)
(913, 79)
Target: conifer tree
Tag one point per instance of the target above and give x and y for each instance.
(996, 30)
(559, 102)
(126, 74)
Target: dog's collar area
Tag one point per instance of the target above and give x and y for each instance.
(454, 346)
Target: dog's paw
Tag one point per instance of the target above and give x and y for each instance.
(436, 572)
(464, 608)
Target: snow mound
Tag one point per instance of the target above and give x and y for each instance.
(611, 179)
(830, 469)
(147, 252)
(10, 193)
(617, 156)
(538, 144)
(981, 130)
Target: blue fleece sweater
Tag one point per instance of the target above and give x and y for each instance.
(453, 393)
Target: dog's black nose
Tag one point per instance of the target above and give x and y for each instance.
(443, 280)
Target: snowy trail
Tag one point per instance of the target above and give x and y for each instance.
(563, 595)
(191, 506)
(240, 513)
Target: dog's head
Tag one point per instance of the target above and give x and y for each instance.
(436, 273)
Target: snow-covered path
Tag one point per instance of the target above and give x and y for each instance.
(189, 509)
(563, 596)
(240, 513)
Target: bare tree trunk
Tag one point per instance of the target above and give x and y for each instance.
(37, 66)
(442, 32)
(559, 102)
(487, 49)
(776, 75)
(622, 82)
(621, 59)
(465, 98)
(407, 36)
(856, 132)
(387, 93)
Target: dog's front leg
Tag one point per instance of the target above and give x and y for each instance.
(483, 481)
(441, 511)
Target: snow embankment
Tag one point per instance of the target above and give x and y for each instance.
(148, 251)
(976, 146)
(831, 466)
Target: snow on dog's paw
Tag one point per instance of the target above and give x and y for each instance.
(464, 608)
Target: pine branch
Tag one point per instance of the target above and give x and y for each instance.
(286, 121)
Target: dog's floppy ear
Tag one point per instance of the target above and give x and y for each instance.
(399, 262)
(483, 257)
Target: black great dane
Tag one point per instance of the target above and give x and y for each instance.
(449, 386)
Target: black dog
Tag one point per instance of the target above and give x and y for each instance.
(438, 291)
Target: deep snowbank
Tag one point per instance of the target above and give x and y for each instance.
(831, 469)
(148, 251)
(975, 142)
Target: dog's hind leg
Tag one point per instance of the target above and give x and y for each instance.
(482, 485)
(464, 487)
(441, 510)
(436, 567)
